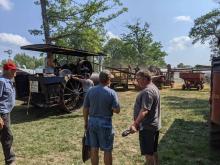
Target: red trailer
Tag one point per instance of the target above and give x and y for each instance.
(193, 80)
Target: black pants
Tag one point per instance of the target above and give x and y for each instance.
(7, 139)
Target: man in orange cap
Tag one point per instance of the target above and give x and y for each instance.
(7, 102)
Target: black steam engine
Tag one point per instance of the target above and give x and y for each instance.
(56, 88)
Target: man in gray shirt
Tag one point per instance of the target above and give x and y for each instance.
(99, 105)
(147, 117)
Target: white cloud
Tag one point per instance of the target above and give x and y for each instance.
(111, 35)
(179, 43)
(183, 42)
(6, 4)
(183, 19)
(13, 39)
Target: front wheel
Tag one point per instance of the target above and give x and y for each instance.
(72, 95)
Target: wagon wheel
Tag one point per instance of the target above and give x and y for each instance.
(183, 87)
(171, 84)
(125, 86)
(198, 87)
(202, 86)
(72, 95)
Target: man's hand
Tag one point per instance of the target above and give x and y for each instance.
(133, 128)
(1, 123)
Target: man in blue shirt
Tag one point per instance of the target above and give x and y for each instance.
(99, 105)
(7, 102)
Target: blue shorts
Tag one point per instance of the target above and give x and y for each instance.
(101, 133)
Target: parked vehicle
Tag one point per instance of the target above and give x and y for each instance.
(120, 78)
(193, 80)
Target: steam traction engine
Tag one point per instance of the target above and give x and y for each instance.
(59, 88)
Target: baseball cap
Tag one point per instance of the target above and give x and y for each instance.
(9, 66)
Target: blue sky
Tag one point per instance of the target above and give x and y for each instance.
(170, 22)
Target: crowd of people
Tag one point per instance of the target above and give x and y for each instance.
(100, 103)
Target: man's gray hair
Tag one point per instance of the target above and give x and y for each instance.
(145, 74)
(105, 75)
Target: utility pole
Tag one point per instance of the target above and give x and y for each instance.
(9, 52)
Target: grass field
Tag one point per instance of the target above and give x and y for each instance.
(49, 137)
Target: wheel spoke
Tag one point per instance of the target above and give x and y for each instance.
(70, 89)
(68, 94)
(68, 100)
(78, 86)
(71, 85)
(80, 89)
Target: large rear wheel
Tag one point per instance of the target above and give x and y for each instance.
(72, 95)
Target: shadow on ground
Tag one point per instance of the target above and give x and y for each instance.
(197, 106)
(20, 114)
(188, 90)
(187, 142)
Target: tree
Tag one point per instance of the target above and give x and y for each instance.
(86, 39)
(206, 28)
(134, 48)
(3, 62)
(114, 50)
(145, 50)
(64, 18)
(27, 61)
(65, 21)
(181, 65)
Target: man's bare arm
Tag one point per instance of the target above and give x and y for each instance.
(135, 126)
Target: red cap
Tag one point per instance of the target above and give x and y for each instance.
(9, 66)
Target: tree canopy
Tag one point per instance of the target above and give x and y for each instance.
(77, 24)
(28, 61)
(115, 50)
(135, 47)
(181, 65)
(207, 28)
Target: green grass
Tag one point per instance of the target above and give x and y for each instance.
(47, 137)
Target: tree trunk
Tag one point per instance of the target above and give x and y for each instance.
(46, 29)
